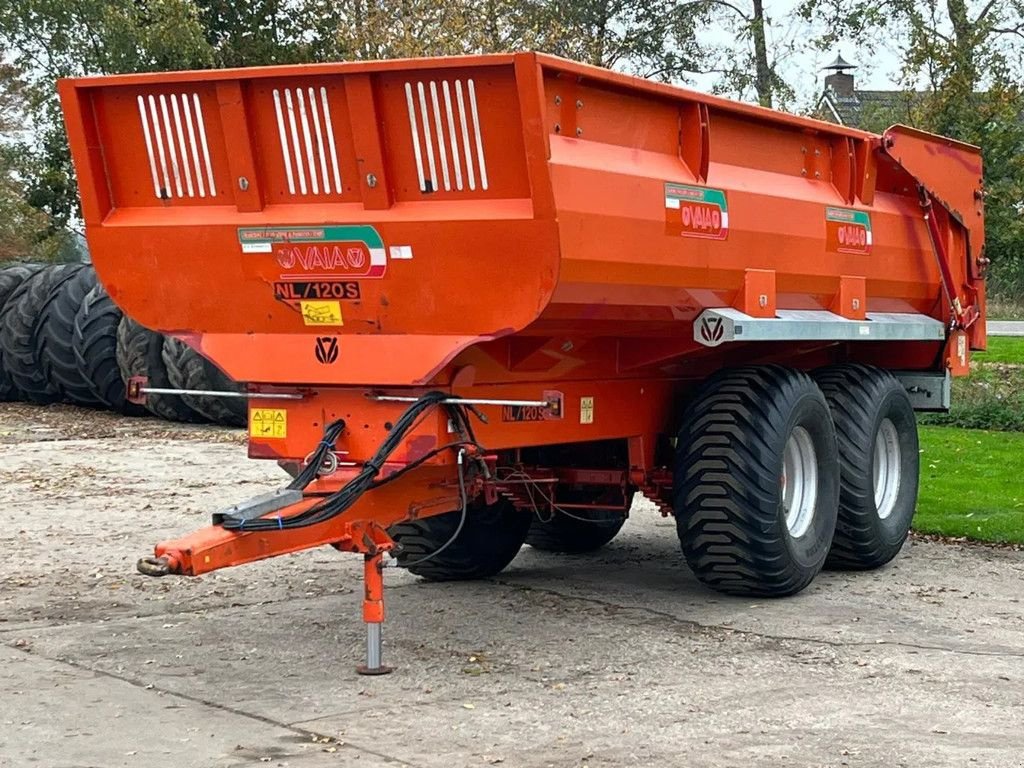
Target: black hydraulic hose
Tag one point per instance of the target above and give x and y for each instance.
(345, 497)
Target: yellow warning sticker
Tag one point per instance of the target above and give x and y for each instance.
(268, 422)
(321, 312)
(586, 410)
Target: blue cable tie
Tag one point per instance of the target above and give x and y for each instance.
(280, 525)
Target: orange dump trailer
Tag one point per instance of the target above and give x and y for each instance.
(489, 300)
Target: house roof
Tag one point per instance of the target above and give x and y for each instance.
(859, 107)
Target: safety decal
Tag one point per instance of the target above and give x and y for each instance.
(321, 312)
(268, 422)
(700, 212)
(847, 231)
(586, 410)
(342, 251)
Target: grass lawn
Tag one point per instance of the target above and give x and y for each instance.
(972, 484)
(992, 397)
(1002, 349)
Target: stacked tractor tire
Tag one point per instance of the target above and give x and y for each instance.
(62, 338)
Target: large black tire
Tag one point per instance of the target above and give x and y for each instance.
(188, 369)
(490, 538)
(94, 342)
(55, 333)
(578, 530)
(10, 278)
(19, 328)
(875, 508)
(140, 353)
(739, 434)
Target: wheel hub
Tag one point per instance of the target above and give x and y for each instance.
(799, 481)
(886, 468)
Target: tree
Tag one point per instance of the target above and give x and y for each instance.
(969, 58)
(251, 33)
(26, 232)
(750, 63)
(652, 38)
(51, 39)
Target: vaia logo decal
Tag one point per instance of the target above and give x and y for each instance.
(712, 330)
(327, 349)
(343, 251)
(699, 212)
(331, 257)
(847, 231)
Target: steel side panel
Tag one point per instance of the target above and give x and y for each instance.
(617, 257)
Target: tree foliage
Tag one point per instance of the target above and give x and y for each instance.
(963, 71)
(26, 232)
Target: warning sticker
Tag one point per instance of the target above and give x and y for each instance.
(268, 422)
(321, 312)
(699, 212)
(586, 410)
(847, 231)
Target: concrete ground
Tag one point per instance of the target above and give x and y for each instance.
(1005, 327)
(615, 659)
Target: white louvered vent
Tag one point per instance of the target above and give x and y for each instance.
(175, 135)
(444, 134)
(306, 134)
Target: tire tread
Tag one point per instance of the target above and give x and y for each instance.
(726, 491)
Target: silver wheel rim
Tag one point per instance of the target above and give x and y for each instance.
(886, 468)
(799, 481)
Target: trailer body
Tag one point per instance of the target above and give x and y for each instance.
(577, 249)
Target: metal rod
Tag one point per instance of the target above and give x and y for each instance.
(220, 393)
(464, 401)
(374, 646)
(373, 614)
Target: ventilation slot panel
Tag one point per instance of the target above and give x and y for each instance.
(174, 132)
(305, 131)
(447, 144)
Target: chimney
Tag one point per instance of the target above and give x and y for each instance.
(840, 82)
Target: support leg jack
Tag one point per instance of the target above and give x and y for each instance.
(373, 615)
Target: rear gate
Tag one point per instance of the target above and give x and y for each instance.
(239, 208)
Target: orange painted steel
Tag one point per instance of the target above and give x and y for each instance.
(497, 227)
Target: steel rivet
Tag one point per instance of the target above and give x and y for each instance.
(558, 100)
(579, 131)
(243, 183)
(579, 104)
(762, 300)
(567, 346)
(558, 128)
(856, 303)
(371, 180)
